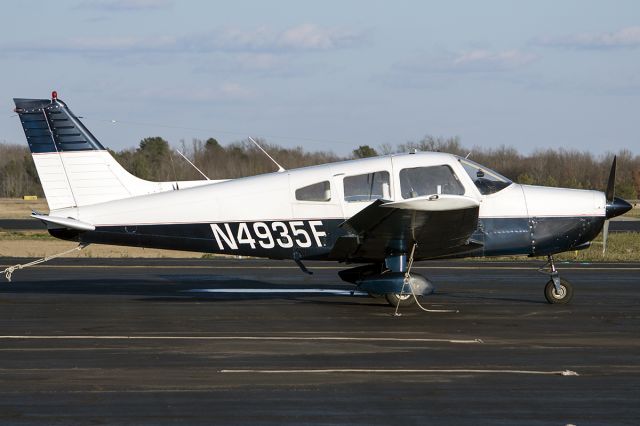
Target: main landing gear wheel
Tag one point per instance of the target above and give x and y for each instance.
(562, 296)
(404, 300)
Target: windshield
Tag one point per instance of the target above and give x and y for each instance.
(487, 181)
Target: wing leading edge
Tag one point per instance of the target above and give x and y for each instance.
(441, 225)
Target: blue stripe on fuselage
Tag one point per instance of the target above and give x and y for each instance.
(535, 235)
(499, 236)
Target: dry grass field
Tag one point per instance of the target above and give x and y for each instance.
(40, 243)
(16, 208)
(635, 212)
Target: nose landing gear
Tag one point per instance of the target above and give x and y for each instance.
(557, 290)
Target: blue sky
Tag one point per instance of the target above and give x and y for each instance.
(332, 75)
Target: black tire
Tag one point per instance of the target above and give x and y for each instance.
(405, 299)
(561, 298)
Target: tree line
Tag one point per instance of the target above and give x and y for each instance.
(155, 160)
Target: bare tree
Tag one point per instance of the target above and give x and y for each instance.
(155, 160)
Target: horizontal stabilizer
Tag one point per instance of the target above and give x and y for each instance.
(54, 222)
(435, 202)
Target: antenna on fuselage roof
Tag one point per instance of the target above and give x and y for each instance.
(193, 165)
(280, 168)
(467, 156)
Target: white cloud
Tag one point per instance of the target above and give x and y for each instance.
(313, 37)
(477, 60)
(302, 38)
(228, 91)
(305, 37)
(119, 44)
(125, 5)
(625, 38)
(258, 64)
(488, 60)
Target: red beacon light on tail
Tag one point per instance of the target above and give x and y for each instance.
(54, 95)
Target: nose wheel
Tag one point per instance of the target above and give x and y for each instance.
(561, 295)
(557, 291)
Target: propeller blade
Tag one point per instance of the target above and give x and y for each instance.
(605, 235)
(611, 184)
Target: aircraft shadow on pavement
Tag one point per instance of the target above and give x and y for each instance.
(122, 286)
(189, 289)
(195, 288)
(472, 297)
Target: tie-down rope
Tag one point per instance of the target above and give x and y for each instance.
(407, 281)
(10, 270)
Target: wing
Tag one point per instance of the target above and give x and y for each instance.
(441, 225)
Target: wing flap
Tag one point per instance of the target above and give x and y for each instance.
(435, 202)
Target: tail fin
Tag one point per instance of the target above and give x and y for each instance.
(74, 168)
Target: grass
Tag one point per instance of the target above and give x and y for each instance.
(25, 235)
(621, 247)
(16, 208)
(635, 212)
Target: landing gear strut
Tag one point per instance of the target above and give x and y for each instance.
(402, 298)
(557, 291)
(393, 280)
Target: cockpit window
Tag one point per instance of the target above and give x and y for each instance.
(418, 181)
(366, 187)
(320, 191)
(487, 181)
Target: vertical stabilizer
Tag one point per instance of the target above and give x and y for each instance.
(74, 168)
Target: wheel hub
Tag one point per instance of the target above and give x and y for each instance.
(560, 293)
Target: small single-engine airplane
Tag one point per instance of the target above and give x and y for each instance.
(383, 213)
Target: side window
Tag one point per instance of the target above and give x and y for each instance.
(419, 181)
(366, 187)
(320, 191)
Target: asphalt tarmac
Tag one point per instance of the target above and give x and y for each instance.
(164, 341)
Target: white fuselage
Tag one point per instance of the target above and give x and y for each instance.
(272, 197)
